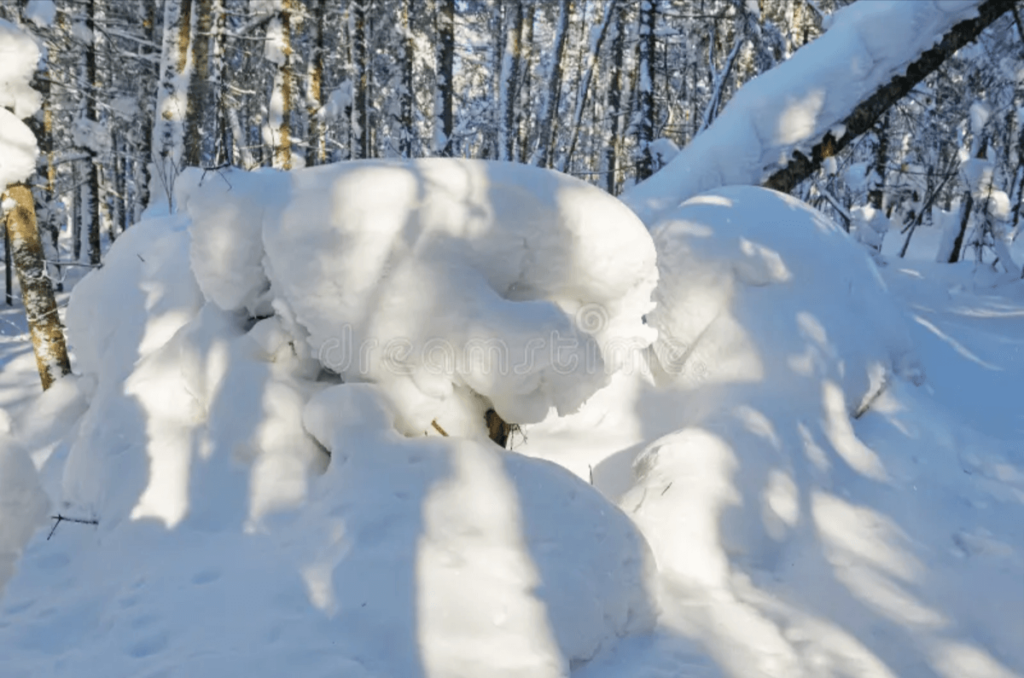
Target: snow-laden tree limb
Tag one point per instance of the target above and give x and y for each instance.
(819, 100)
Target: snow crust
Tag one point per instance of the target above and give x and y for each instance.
(794, 105)
(19, 56)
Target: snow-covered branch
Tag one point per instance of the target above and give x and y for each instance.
(873, 54)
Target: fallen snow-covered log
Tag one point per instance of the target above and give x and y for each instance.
(813, 105)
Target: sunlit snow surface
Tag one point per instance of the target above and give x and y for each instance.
(728, 516)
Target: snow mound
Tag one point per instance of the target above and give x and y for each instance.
(781, 328)
(455, 285)
(757, 287)
(23, 504)
(185, 397)
(521, 568)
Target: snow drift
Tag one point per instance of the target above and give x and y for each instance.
(803, 498)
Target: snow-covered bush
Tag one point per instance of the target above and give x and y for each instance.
(216, 413)
(23, 503)
(780, 326)
(747, 274)
(454, 285)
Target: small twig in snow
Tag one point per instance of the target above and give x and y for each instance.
(870, 399)
(59, 518)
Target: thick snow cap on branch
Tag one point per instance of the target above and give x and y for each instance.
(19, 56)
(794, 105)
(444, 281)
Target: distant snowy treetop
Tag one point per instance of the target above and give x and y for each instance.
(794, 105)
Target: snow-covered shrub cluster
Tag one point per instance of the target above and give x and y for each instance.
(749, 276)
(454, 286)
(795, 486)
(264, 467)
(796, 334)
(215, 413)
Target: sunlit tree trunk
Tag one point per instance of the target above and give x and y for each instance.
(281, 103)
(143, 176)
(201, 109)
(36, 292)
(168, 130)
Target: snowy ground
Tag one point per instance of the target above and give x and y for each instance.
(723, 513)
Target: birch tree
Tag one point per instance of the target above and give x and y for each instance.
(36, 292)
(445, 101)
(645, 90)
(546, 123)
(511, 64)
(172, 100)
